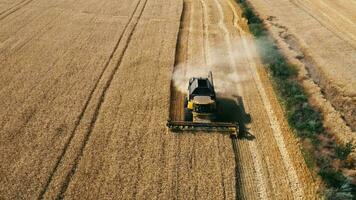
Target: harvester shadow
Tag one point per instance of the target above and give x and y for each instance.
(233, 110)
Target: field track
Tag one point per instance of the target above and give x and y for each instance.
(212, 27)
(86, 89)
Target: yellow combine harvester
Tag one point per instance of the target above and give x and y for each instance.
(201, 109)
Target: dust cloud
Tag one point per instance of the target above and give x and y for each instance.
(224, 61)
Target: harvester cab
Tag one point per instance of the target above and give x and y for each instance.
(201, 109)
(200, 103)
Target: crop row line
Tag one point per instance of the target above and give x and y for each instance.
(68, 177)
(14, 8)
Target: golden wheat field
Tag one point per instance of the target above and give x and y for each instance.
(87, 86)
(320, 37)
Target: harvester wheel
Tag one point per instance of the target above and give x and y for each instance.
(188, 115)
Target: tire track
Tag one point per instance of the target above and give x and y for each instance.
(261, 181)
(238, 168)
(101, 100)
(289, 168)
(12, 6)
(187, 146)
(205, 32)
(13, 9)
(207, 62)
(253, 149)
(250, 170)
(255, 154)
(84, 109)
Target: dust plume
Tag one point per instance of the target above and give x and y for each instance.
(226, 63)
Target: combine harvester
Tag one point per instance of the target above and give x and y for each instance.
(201, 109)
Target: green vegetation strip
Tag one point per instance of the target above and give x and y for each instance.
(321, 153)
